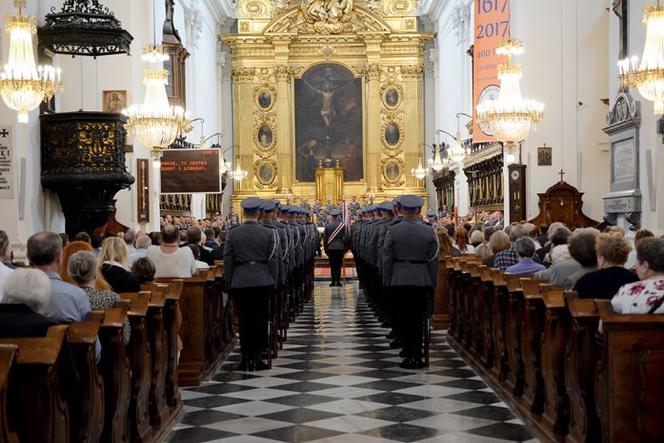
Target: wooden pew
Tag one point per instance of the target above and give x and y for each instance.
(172, 321)
(441, 301)
(487, 295)
(515, 302)
(580, 366)
(39, 411)
(554, 341)
(629, 380)
(86, 409)
(532, 327)
(201, 327)
(476, 300)
(7, 359)
(116, 373)
(498, 322)
(454, 276)
(140, 358)
(159, 410)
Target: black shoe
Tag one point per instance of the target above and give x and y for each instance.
(412, 363)
(396, 344)
(244, 365)
(332, 284)
(339, 284)
(260, 365)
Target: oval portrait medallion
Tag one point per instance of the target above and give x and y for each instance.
(264, 136)
(392, 134)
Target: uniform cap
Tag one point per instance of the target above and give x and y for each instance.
(431, 213)
(268, 206)
(387, 206)
(334, 212)
(285, 209)
(411, 202)
(251, 204)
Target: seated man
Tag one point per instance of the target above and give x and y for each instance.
(525, 249)
(143, 242)
(169, 259)
(68, 303)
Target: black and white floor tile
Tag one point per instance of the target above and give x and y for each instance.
(337, 381)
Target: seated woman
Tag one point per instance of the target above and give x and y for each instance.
(83, 270)
(498, 242)
(612, 253)
(462, 242)
(647, 295)
(144, 270)
(113, 265)
(169, 259)
(525, 249)
(445, 246)
(71, 249)
(27, 293)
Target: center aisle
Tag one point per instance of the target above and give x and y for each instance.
(336, 380)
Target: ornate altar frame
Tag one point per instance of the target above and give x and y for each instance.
(278, 41)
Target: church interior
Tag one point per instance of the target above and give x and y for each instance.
(331, 221)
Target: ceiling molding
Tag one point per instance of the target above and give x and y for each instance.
(228, 7)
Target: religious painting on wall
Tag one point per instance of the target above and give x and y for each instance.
(392, 134)
(392, 97)
(544, 156)
(114, 101)
(328, 122)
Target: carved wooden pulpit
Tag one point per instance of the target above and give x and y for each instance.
(329, 184)
(562, 202)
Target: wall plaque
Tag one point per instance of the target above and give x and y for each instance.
(6, 162)
(143, 181)
(624, 119)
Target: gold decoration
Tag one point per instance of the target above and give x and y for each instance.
(391, 94)
(327, 17)
(377, 46)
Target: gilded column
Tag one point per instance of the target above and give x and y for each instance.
(284, 128)
(414, 123)
(243, 78)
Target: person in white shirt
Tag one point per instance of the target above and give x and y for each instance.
(645, 296)
(143, 242)
(5, 271)
(169, 259)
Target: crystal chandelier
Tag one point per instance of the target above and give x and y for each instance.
(237, 174)
(420, 172)
(510, 117)
(23, 85)
(437, 164)
(648, 76)
(155, 122)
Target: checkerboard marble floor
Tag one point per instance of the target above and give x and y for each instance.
(336, 380)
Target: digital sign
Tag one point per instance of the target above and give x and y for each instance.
(190, 171)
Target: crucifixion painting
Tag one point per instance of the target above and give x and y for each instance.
(328, 121)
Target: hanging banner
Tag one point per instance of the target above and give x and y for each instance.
(6, 163)
(492, 26)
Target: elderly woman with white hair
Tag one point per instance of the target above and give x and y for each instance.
(82, 268)
(26, 293)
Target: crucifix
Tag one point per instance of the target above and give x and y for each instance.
(561, 173)
(620, 8)
(4, 133)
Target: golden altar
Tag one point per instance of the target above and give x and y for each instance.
(330, 185)
(327, 81)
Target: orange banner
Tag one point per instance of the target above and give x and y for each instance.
(492, 25)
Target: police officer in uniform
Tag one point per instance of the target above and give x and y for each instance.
(334, 242)
(409, 266)
(251, 272)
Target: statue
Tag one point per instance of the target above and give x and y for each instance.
(327, 16)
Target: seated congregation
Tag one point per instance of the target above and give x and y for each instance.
(540, 315)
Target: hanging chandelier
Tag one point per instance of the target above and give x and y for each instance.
(648, 76)
(155, 122)
(420, 172)
(510, 117)
(238, 174)
(437, 164)
(23, 84)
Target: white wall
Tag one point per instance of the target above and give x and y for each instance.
(85, 79)
(650, 140)
(564, 66)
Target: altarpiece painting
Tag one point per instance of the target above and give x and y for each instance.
(328, 121)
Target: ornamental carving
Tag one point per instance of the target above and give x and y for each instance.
(265, 134)
(327, 16)
(265, 174)
(393, 168)
(624, 109)
(392, 131)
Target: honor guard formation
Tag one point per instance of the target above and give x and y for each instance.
(269, 270)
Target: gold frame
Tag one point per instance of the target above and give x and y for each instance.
(275, 45)
(270, 90)
(364, 119)
(257, 167)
